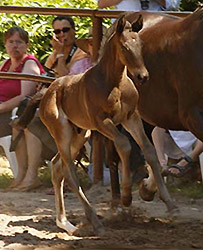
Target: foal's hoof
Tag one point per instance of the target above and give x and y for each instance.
(145, 193)
(67, 226)
(140, 173)
(173, 212)
(126, 200)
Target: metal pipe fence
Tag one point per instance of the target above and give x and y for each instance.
(96, 14)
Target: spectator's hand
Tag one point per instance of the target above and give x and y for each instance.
(57, 45)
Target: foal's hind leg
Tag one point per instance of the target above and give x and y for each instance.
(57, 180)
(135, 128)
(69, 144)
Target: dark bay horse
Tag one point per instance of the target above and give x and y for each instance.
(172, 52)
(173, 96)
(99, 99)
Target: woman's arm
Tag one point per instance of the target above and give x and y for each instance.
(59, 47)
(61, 67)
(27, 87)
(161, 2)
(107, 3)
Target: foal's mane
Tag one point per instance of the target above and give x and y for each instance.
(106, 38)
(197, 14)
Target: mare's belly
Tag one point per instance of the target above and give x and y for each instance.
(161, 115)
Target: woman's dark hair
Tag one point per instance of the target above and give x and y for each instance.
(22, 33)
(68, 18)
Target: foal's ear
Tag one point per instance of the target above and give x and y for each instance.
(121, 24)
(137, 25)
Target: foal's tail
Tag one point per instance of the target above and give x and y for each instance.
(29, 112)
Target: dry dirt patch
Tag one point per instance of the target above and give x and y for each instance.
(27, 222)
(28, 219)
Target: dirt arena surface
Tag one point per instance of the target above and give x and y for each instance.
(27, 222)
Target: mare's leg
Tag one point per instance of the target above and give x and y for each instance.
(135, 128)
(112, 160)
(123, 148)
(97, 157)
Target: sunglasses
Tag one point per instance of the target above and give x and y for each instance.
(64, 30)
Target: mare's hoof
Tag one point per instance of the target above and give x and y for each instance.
(126, 200)
(145, 193)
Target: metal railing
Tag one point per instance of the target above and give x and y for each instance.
(29, 77)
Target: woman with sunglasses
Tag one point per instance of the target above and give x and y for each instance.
(13, 91)
(66, 58)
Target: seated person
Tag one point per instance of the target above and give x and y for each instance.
(179, 145)
(66, 59)
(12, 92)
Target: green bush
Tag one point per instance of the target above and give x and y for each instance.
(190, 5)
(39, 26)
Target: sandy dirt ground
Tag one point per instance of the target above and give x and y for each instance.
(27, 222)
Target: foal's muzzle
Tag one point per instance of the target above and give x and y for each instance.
(143, 77)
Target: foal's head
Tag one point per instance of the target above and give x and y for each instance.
(129, 48)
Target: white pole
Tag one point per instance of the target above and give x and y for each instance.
(201, 164)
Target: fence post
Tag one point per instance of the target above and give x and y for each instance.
(97, 36)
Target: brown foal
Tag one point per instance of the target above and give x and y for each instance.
(99, 99)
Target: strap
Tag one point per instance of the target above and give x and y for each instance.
(188, 158)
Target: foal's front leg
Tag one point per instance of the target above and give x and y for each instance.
(135, 128)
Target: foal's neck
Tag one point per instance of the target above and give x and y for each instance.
(110, 65)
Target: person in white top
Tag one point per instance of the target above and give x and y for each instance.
(137, 5)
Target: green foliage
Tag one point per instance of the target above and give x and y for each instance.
(193, 190)
(39, 26)
(190, 5)
(44, 174)
(5, 180)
